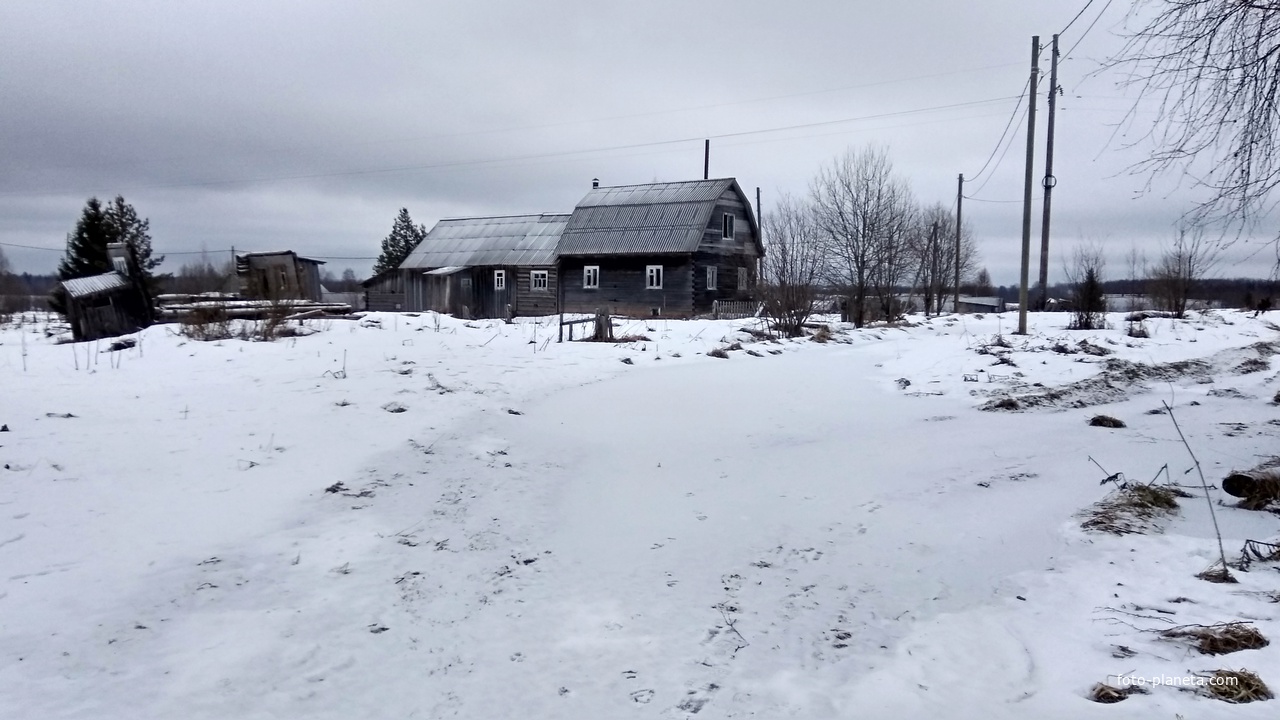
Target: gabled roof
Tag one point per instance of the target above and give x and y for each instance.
(94, 284)
(508, 240)
(654, 218)
(242, 259)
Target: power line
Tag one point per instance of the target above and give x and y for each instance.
(1064, 30)
(544, 156)
(1004, 152)
(1007, 126)
(1085, 34)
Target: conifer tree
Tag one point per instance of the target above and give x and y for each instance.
(396, 246)
(86, 252)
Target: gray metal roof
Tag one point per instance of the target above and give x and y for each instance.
(654, 218)
(94, 284)
(470, 242)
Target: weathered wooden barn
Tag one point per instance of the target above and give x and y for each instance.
(661, 249)
(486, 267)
(280, 275)
(106, 305)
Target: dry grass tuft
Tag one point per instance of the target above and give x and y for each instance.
(718, 353)
(1004, 403)
(822, 335)
(1220, 639)
(1132, 509)
(1109, 695)
(1258, 488)
(1237, 686)
(1218, 574)
(1106, 421)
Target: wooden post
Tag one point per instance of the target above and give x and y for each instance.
(955, 302)
(1049, 180)
(706, 160)
(1027, 183)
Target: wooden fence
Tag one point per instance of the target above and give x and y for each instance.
(736, 309)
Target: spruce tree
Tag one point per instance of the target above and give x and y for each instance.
(135, 233)
(86, 252)
(404, 237)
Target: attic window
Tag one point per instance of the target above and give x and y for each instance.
(591, 277)
(653, 277)
(499, 279)
(538, 280)
(728, 227)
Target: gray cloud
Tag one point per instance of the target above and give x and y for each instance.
(268, 125)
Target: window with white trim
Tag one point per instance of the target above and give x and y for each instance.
(744, 279)
(653, 277)
(538, 280)
(727, 226)
(591, 277)
(499, 279)
(712, 271)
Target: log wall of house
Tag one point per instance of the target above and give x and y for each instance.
(726, 255)
(622, 286)
(530, 302)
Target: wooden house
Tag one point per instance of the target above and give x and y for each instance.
(108, 304)
(485, 267)
(661, 249)
(281, 275)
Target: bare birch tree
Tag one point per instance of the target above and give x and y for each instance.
(1211, 69)
(1181, 267)
(933, 248)
(857, 207)
(793, 265)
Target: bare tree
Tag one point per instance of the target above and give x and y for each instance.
(792, 266)
(1085, 276)
(933, 248)
(858, 209)
(1181, 267)
(1212, 68)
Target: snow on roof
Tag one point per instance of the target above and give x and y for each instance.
(94, 284)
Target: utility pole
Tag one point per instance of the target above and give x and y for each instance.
(1026, 191)
(1049, 180)
(955, 306)
(934, 252)
(706, 160)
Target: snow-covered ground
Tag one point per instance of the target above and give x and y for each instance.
(420, 517)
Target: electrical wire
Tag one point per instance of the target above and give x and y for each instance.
(1007, 126)
(1085, 34)
(1008, 145)
(545, 156)
(1064, 30)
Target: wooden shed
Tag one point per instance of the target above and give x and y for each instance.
(660, 249)
(108, 304)
(280, 275)
(485, 267)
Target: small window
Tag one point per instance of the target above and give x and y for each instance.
(653, 277)
(591, 277)
(712, 271)
(538, 280)
(744, 279)
(499, 279)
(728, 227)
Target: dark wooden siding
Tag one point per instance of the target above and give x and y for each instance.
(622, 286)
(726, 255)
(530, 302)
(386, 293)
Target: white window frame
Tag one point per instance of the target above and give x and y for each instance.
(539, 275)
(590, 277)
(726, 227)
(713, 276)
(499, 279)
(653, 277)
(744, 279)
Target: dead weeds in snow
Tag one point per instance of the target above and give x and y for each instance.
(1236, 686)
(1219, 639)
(1109, 694)
(1132, 509)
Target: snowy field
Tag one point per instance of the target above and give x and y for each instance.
(420, 517)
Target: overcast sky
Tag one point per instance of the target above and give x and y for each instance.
(306, 125)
